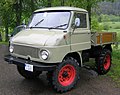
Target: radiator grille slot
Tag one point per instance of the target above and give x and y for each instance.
(26, 50)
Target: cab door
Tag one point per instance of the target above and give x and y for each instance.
(80, 36)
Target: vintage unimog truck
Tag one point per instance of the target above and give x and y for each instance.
(58, 40)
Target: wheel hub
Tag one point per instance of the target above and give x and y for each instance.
(65, 74)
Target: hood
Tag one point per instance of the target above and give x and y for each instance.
(37, 37)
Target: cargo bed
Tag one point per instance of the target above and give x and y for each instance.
(100, 38)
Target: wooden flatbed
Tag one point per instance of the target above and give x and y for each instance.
(101, 38)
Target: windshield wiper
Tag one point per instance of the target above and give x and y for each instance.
(39, 22)
(57, 26)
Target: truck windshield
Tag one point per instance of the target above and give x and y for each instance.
(50, 20)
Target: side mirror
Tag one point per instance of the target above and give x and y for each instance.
(9, 35)
(77, 22)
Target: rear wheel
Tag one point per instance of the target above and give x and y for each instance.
(28, 74)
(103, 62)
(66, 75)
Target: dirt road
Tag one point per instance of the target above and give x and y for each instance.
(11, 83)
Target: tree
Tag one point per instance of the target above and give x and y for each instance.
(49, 3)
(89, 4)
(13, 11)
(6, 15)
(17, 7)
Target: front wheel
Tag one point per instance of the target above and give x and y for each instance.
(103, 62)
(66, 75)
(28, 74)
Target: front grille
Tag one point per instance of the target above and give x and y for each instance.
(26, 50)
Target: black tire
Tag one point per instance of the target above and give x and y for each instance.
(103, 62)
(28, 74)
(66, 75)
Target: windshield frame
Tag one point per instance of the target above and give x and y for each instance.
(53, 26)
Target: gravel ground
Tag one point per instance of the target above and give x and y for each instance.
(11, 83)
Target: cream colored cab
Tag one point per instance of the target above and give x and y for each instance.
(52, 34)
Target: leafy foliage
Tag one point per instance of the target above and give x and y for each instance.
(13, 12)
(95, 25)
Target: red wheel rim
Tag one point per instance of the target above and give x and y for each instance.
(107, 62)
(66, 75)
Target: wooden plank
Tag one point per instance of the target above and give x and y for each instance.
(100, 38)
(107, 37)
(104, 37)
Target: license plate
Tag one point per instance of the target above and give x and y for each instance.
(29, 67)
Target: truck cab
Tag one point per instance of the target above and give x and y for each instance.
(54, 31)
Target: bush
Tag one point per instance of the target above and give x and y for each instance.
(95, 26)
(118, 36)
(106, 27)
(117, 27)
(107, 18)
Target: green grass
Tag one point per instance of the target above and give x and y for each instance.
(114, 30)
(112, 25)
(3, 43)
(115, 69)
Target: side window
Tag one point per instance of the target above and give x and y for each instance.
(83, 22)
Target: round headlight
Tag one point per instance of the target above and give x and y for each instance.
(44, 54)
(11, 49)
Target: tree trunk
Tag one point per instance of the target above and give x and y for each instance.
(0, 37)
(18, 10)
(6, 33)
(89, 12)
(32, 4)
(62, 2)
(6, 28)
(49, 4)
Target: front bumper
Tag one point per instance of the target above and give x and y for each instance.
(36, 65)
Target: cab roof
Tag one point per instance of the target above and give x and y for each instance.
(61, 8)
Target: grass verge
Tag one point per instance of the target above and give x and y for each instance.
(115, 69)
(3, 43)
